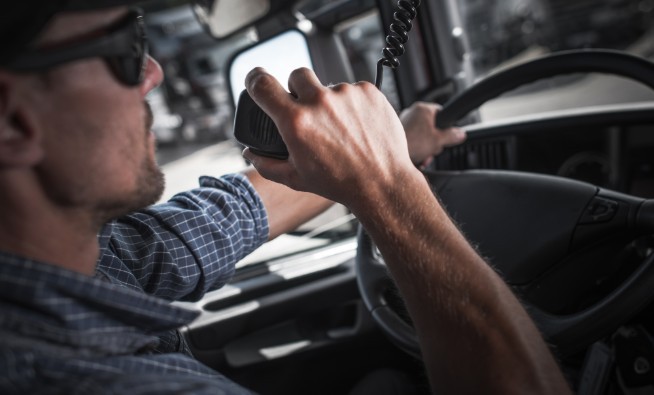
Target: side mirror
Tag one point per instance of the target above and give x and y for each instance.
(279, 55)
(222, 18)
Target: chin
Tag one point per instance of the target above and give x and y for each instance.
(148, 191)
(152, 186)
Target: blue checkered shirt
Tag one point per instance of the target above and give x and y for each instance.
(65, 333)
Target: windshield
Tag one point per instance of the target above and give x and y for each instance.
(504, 32)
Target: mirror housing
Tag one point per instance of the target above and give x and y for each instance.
(222, 18)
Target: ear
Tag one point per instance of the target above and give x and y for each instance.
(20, 141)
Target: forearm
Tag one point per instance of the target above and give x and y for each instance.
(287, 209)
(475, 335)
(183, 248)
(345, 143)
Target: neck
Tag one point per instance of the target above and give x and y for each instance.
(33, 227)
(45, 245)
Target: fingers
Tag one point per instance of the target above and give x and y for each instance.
(271, 96)
(268, 93)
(426, 108)
(304, 84)
(285, 109)
(282, 107)
(423, 138)
(453, 136)
(273, 169)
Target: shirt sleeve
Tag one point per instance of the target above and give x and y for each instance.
(181, 249)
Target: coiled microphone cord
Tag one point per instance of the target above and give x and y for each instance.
(398, 36)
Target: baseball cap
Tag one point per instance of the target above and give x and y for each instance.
(22, 21)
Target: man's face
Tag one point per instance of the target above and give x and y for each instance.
(99, 150)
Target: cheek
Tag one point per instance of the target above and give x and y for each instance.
(97, 138)
(121, 141)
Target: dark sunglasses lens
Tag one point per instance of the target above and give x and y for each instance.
(130, 67)
(128, 70)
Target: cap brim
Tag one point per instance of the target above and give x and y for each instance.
(21, 22)
(82, 5)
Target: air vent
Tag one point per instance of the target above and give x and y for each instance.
(480, 154)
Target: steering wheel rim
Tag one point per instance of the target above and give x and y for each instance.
(564, 62)
(373, 280)
(568, 333)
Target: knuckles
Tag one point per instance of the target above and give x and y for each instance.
(341, 88)
(301, 74)
(300, 121)
(367, 87)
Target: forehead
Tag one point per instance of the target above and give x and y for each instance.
(67, 25)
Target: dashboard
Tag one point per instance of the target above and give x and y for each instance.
(609, 146)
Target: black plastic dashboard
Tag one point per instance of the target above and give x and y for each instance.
(609, 146)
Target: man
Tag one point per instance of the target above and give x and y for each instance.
(76, 153)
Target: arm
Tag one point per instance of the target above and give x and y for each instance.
(183, 248)
(172, 265)
(474, 335)
(286, 208)
(424, 141)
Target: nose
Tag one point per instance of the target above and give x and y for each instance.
(153, 76)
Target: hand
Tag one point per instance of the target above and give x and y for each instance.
(423, 138)
(339, 138)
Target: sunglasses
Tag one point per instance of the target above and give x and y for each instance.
(124, 48)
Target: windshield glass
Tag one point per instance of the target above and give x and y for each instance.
(503, 32)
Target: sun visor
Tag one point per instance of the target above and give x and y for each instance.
(22, 21)
(85, 5)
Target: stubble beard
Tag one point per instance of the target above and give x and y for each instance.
(152, 180)
(150, 183)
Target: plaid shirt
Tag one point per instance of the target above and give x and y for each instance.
(65, 333)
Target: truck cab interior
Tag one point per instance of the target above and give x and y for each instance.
(554, 184)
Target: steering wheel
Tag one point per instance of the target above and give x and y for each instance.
(575, 221)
